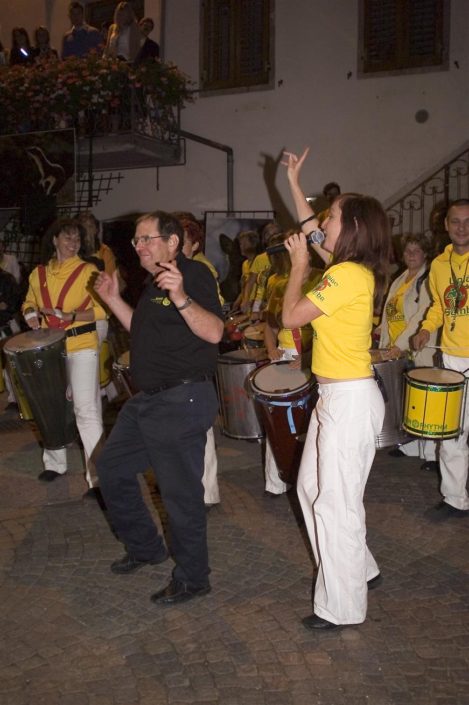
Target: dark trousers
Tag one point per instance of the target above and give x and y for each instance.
(167, 431)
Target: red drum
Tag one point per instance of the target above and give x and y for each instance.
(286, 398)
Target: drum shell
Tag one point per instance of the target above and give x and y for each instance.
(286, 417)
(391, 373)
(37, 362)
(253, 336)
(239, 418)
(432, 409)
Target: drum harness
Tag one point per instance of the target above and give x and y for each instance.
(54, 321)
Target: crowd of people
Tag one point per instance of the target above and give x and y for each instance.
(321, 318)
(125, 38)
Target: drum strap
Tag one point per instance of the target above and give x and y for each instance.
(302, 403)
(296, 332)
(53, 321)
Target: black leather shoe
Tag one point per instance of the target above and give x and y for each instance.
(396, 453)
(315, 622)
(374, 582)
(431, 466)
(443, 511)
(48, 475)
(177, 592)
(128, 564)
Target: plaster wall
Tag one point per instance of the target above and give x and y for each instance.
(362, 132)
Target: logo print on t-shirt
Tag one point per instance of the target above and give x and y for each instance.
(455, 298)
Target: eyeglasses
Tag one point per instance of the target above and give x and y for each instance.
(144, 239)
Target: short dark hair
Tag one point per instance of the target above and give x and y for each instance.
(329, 186)
(167, 225)
(458, 202)
(61, 225)
(75, 5)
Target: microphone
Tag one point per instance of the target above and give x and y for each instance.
(315, 237)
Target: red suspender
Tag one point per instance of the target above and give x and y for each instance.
(52, 320)
(297, 339)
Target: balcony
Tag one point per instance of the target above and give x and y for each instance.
(125, 117)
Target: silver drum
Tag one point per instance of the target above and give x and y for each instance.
(390, 377)
(237, 407)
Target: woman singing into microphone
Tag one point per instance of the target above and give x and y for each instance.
(340, 444)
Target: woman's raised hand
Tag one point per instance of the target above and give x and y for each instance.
(294, 163)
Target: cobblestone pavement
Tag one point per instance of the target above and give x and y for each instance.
(72, 633)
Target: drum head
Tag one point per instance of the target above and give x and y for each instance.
(435, 376)
(239, 357)
(278, 378)
(34, 340)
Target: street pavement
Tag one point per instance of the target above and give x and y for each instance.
(73, 633)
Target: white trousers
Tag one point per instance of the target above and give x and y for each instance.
(83, 377)
(454, 453)
(424, 449)
(209, 479)
(338, 454)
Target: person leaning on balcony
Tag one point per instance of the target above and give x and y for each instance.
(124, 37)
(148, 49)
(60, 296)
(21, 51)
(81, 39)
(449, 288)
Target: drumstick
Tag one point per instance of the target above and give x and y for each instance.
(443, 347)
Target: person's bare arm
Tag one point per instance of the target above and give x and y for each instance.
(107, 288)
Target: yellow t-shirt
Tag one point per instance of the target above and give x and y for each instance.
(342, 336)
(57, 274)
(450, 308)
(260, 267)
(276, 286)
(395, 313)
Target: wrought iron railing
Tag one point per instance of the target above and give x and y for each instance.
(422, 209)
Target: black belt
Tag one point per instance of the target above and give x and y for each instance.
(178, 382)
(79, 330)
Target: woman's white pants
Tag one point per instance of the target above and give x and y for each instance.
(338, 454)
(83, 377)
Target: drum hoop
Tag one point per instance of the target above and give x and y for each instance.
(431, 387)
(265, 396)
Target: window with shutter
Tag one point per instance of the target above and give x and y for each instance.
(403, 36)
(235, 44)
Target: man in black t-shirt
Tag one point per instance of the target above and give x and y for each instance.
(174, 332)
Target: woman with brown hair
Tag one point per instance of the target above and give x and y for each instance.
(340, 444)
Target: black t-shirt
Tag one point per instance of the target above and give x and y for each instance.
(163, 349)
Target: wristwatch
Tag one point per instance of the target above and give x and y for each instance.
(186, 304)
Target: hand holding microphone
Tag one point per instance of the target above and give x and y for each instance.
(315, 237)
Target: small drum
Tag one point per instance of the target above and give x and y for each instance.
(253, 336)
(122, 370)
(433, 404)
(390, 377)
(237, 409)
(36, 363)
(286, 398)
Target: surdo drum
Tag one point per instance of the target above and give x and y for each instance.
(238, 412)
(434, 402)
(389, 375)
